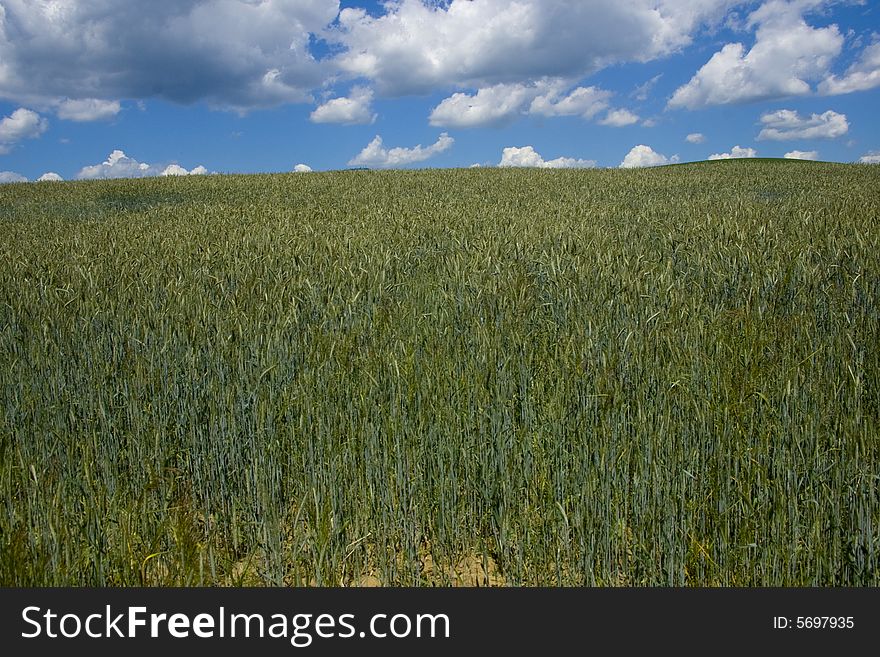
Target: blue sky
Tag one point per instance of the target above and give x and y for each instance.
(113, 88)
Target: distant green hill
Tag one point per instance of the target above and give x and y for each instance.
(749, 161)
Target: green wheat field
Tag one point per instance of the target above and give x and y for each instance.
(664, 377)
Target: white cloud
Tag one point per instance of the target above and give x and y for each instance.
(11, 177)
(645, 156)
(376, 155)
(21, 124)
(787, 55)
(243, 54)
(50, 176)
(87, 109)
(619, 118)
(302, 168)
(354, 110)
(644, 90)
(416, 47)
(802, 155)
(583, 101)
(501, 103)
(174, 170)
(864, 74)
(695, 138)
(119, 165)
(787, 124)
(177, 170)
(489, 106)
(228, 53)
(528, 157)
(872, 157)
(735, 153)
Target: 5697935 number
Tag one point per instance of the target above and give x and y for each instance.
(814, 622)
(821, 622)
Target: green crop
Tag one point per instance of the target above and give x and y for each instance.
(521, 377)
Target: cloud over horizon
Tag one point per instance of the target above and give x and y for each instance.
(735, 153)
(11, 177)
(526, 156)
(645, 156)
(375, 154)
(802, 155)
(120, 165)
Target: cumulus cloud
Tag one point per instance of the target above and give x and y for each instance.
(376, 155)
(528, 157)
(415, 46)
(177, 170)
(243, 54)
(50, 176)
(695, 138)
(735, 153)
(229, 53)
(21, 124)
(864, 74)
(784, 124)
(87, 109)
(353, 110)
(120, 165)
(872, 157)
(619, 118)
(11, 177)
(645, 156)
(802, 155)
(302, 168)
(117, 165)
(501, 103)
(786, 57)
(585, 102)
(489, 106)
